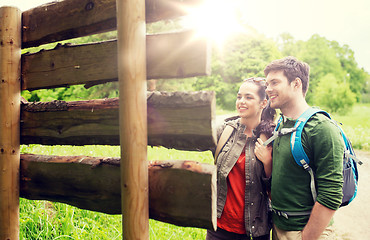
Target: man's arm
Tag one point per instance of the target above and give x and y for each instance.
(319, 220)
(328, 156)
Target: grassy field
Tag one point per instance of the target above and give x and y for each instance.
(356, 125)
(47, 220)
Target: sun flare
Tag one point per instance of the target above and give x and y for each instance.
(216, 19)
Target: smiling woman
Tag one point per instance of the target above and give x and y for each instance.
(216, 19)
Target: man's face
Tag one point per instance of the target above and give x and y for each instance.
(278, 89)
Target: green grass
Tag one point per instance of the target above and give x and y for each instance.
(47, 220)
(356, 125)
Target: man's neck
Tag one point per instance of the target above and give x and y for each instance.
(295, 109)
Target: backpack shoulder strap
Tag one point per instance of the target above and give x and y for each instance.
(297, 150)
(228, 130)
(296, 137)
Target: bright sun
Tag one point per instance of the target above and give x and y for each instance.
(216, 19)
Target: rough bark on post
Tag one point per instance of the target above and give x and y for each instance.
(10, 57)
(133, 117)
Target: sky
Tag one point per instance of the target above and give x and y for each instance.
(344, 21)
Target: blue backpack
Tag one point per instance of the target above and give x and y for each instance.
(350, 172)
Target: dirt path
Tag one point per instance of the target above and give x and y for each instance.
(351, 222)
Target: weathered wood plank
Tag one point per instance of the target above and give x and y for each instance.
(57, 21)
(174, 55)
(180, 192)
(177, 55)
(180, 120)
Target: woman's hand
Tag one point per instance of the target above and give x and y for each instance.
(264, 154)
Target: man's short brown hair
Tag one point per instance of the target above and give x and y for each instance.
(292, 69)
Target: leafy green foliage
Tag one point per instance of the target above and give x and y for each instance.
(288, 45)
(173, 85)
(353, 74)
(243, 56)
(169, 25)
(366, 94)
(73, 93)
(333, 95)
(326, 57)
(322, 60)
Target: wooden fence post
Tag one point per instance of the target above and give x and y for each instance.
(10, 58)
(133, 117)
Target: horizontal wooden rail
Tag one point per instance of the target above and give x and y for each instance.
(180, 120)
(174, 55)
(180, 192)
(57, 21)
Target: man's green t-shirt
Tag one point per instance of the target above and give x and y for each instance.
(290, 184)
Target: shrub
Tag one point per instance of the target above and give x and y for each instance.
(333, 95)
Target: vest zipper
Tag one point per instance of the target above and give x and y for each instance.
(249, 190)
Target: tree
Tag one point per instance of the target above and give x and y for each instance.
(325, 57)
(365, 98)
(322, 60)
(334, 95)
(355, 76)
(288, 45)
(243, 56)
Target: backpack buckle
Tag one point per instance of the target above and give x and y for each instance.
(305, 165)
(285, 131)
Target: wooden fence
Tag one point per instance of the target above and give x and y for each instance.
(180, 192)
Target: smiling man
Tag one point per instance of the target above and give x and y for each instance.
(296, 214)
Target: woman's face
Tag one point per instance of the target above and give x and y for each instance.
(248, 102)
